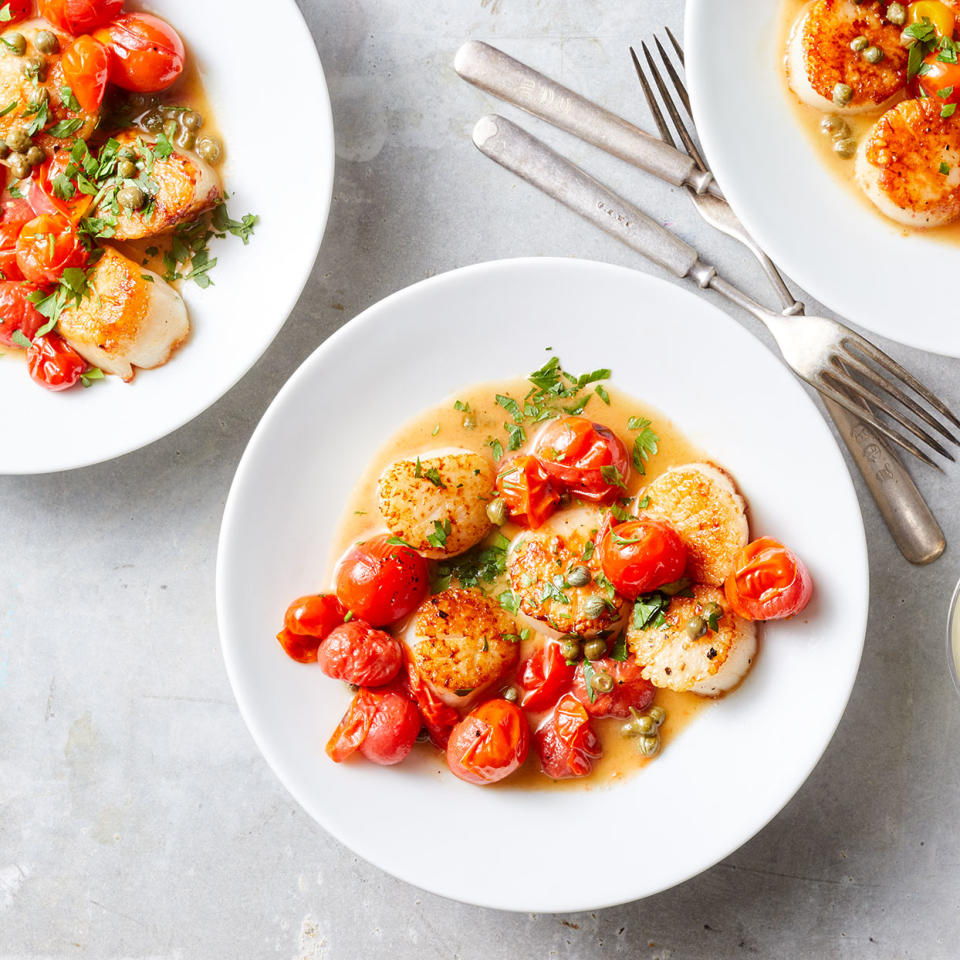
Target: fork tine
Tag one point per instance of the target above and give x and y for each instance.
(880, 404)
(671, 108)
(891, 365)
(674, 76)
(891, 388)
(677, 47)
(658, 117)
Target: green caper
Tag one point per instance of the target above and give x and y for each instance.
(126, 169)
(497, 511)
(35, 156)
(657, 715)
(4, 150)
(897, 14)
(191, 120)
(641, 726)
(35, 67)
(595, 649)
(131, 197)
(570, 650)
(873, 54)
(603, 682)
(845, 147)
(186, 139)
(152, 121)
(46, 42)
(834, 126)
(511, 695)
(594, 607)
(648, 746)
(15, 43)
(209, 149)
(19, 140)
(695, 628)
(711, 611)
(126, 153)
(857, 44)
(842, 94)
(19, 165)
(579, 576)
(469, 421)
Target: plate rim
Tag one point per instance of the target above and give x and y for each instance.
(227, 531)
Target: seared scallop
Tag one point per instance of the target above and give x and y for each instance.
(438, 502)
(555, 574)
(909, 165)
(701, 503)
(461, 643)
(819, 56)
(709, 665)
(129, 317)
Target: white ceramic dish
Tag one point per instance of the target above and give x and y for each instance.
(739, 762)
(256, 286)
(818, 229)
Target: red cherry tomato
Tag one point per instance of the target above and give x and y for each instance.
(490, 743)
(47, 245)
(545, 677)
(566, 742)
(307, 623)
(769, 582)
(17, 10)
(9, 234)
(587, 459)
(641, 555)
(86, 67)
(44, 200)
(939, 79)
(79, 16)
(53, 363)
(382, 582)
(17, 312)
(357, 653)
(439, 718)
(527, 491)
(630, 689)
(146, 54)
(383, 726)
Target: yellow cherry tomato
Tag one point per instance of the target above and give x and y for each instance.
(939, 14)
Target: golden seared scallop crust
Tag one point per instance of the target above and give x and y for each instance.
(821, 56)
(438, 503)
(700, 501)
(539, 564)
(899, 164)
(461, 642)
(709, 665)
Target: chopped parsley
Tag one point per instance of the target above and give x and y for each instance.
(645, 444)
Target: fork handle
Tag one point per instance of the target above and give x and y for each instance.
(510, 80)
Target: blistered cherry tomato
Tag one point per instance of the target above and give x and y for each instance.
(43, 198)
(527, 491)
(9, 234)
(47, 245)
(86, 67)
(307, 622)
(629, 690)
(17, 10)
(490, 743)
(79, 16)
(769, 582)
(146, 54)
(641, 555)
(17, 312)
(382, 582)
(587, 459)
(566, 742)
(439, 718)
(357, 653)
(382, 725)
(53, 363)
(545, 677)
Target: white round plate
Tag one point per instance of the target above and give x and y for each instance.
(255, 286)
(737, 764)
(816, 228)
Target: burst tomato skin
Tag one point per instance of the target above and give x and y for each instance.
(145, 53)
(587, 459)
(641, 555)
(439, 718)
(566, 741)
(526, 489)
(382, 725)
(86, 70)
(382, 582)
(489, 744)
(298, 646)
(17, 312)
(9, 234)
(47, 245)
(545, 677)
(18, 10)
(307, 623)
(769, 582)
(357, 653)
(54, 364)
(79, 16)
(630, 689)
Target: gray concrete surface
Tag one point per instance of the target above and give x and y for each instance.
(138, 820)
